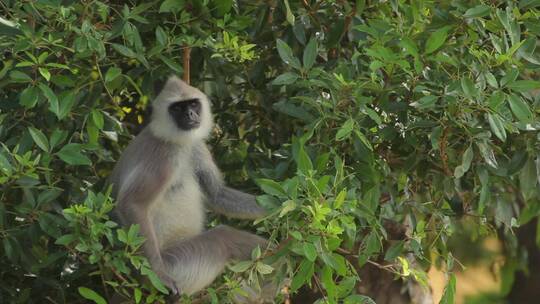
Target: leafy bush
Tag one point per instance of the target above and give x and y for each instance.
(348, 116)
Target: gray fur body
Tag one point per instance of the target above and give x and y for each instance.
(164, 182)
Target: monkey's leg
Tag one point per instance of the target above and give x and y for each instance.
(195, 262)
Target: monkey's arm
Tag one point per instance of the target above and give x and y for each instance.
(220, 198)
(135, 196)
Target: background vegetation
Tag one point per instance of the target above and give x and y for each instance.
(376, 130)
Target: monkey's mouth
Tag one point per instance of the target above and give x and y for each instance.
(192, 124)
(186, 124)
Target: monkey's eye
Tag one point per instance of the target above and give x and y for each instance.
(192, 103)
(177, 107)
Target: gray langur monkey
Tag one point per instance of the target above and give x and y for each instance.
(163, 181)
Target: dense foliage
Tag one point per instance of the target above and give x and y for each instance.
(345, 116)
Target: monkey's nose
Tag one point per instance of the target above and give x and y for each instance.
(193, 115)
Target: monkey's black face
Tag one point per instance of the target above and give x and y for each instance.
(186, 113)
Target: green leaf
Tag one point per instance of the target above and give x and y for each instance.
(222, 6)
(310, 54)
(303, 275)
(47, 224)
(286, 207)
(57, 137)
(468, 87)
(10, 248)
(89, 294)
(5, 165)
(497, 126)
(520, 109)
(491, 80)
(53, 100)
(409, 46)
(173, 65)
(467, 158)
(161, 36)
(523, 85)
(264, 268)
(293, 110)
(137, 295)
(394, 251)
(271, 187)
(528, 180)
(509, 77)
(363, 139)
(39, 138)
(304, 161)
(156, 282)
(358, 299)
(286, 54)
(337, 30)
(345, 130)
(449, 291)
(97, 118)
(71, 154)
(241, 266)
(425, 102)
(507, 274)
(171, 6)
(124, 50)
(285, 79)
(66, 239)
(340, 198)
(29, 97)
(496, 100)
(477, 11)
(289, 15)
(466, 161)
(67, 99)
(45, 73)
(487, 153)
(436, 39)
(112, 74)
(310, 252)
(19, 76)
(373, 115)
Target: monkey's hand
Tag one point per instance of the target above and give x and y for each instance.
(168, 281)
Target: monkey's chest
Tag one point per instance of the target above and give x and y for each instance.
(179, 212)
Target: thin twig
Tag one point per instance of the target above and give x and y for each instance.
(186, 58)
(444, 156)
(287, 294)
